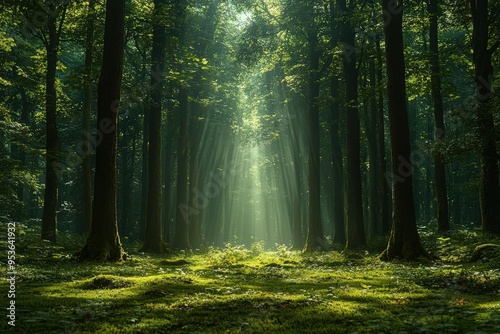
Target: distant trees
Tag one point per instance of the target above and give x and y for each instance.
(248, 120)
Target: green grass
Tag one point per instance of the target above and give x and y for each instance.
(238, 290)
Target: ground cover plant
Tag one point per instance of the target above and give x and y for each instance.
(256, 290)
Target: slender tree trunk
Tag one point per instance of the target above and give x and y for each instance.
(25, 117)
(384, 193)
(145, 156)
(355, 228)
(338, 163)
(183, 211)
(404, 241)
(103, 242)
(338, 166)
(315, 230)
(373, 159)
(489, 190)
(49, 220)
(87, 111)
(196, 196)
(153, 241)
(439, 134)
(167, 175)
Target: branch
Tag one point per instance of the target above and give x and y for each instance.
(63, 17)
(494, 47)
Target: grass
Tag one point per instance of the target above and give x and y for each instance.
(238, 290)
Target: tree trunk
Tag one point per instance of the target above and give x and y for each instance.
(183, 211)
(489, 191)
(384, 193)
(439, 165)
(153, 241)
(404, 241)
(167, 175)
(373, 159)
(355, 228)
(49, 220)
(338, 163)
(338, 166)
(314, 240)
(87, 110)
(103, 242)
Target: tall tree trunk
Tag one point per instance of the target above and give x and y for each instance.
(489, 191)
(167, 175)
(144, 175)
(153, 241)
(373, 159)
(355, 228)
(404, 241)
(439, 133)
(25, 118)
(49, 220)
(103, 242)
(183, 211)
(315, 230)
(384, 193)
(338, 166)
(338, 163)
(87, 110)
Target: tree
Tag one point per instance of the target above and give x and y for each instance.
(314, 239)
(489, 190)
(404, 241)
(437, 100)
(87, 110)
(181, 238)
(51, 40)
(355, 229)
(103, 242)
(153, 241)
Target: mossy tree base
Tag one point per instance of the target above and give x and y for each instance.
(407, 250)
(101, 252)
(156, 248)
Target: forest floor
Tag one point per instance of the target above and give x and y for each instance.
(238, 290)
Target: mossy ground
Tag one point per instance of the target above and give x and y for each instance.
(238, 290)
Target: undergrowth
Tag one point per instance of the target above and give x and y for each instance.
(260, 289)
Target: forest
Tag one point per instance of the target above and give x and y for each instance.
(250, 166)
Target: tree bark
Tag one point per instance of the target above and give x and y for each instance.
(355, 228)
(153, 241)
(87, 110)
(373, 159)
(183, 211)
(314, 239)
(338, 167)
(439, 134)
(103, 242)
(384, 193)
(404, 241)
(489, 190)
(49, 220)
